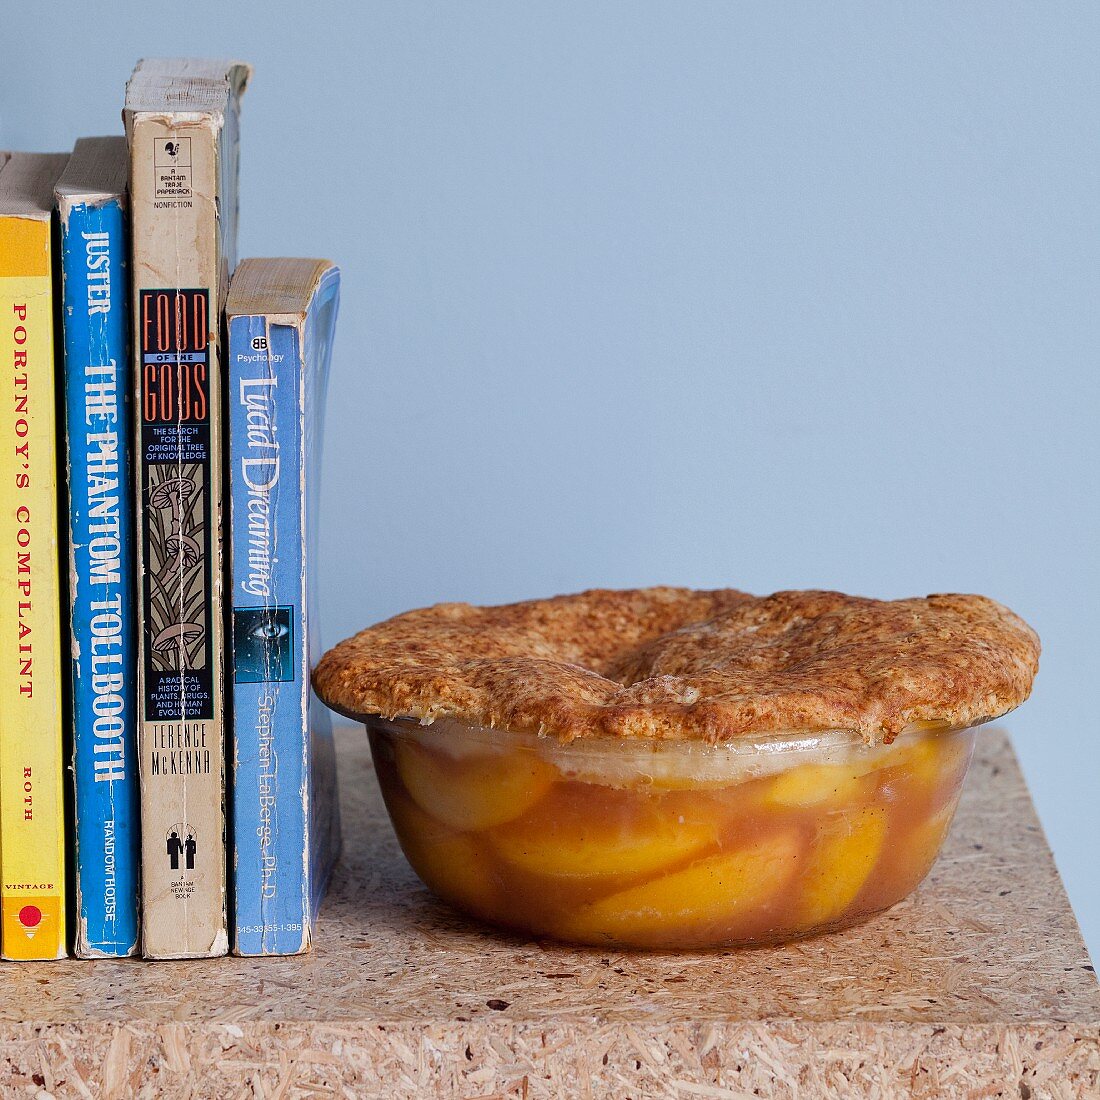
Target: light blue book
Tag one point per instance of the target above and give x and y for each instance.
(92, 204)
(281, 315)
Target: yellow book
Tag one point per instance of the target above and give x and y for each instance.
(32, 820)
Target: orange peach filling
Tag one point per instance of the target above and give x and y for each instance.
(521, 834)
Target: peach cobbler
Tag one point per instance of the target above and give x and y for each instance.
(666, 768)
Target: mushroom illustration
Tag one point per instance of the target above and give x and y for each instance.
(180, 553)
(177, 638)
(175, 493)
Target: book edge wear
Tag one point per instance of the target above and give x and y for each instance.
(96, 321)
(285, 816)
(181, 119)
(32, 834)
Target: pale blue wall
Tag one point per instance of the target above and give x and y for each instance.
(700, 293)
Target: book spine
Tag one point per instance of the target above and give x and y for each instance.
(178, 277)
(271, 739)
(94, 266)
(32, 859)
(324, 803)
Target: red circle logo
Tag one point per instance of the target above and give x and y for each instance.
(30, 916)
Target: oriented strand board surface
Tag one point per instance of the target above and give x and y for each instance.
(977, 986)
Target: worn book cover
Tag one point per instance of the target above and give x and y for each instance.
(281, 316)
(95, 246)
(182, 122)
(32, 825)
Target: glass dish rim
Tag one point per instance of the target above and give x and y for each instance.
(745, 745)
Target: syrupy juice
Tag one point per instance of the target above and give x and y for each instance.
(654, 847)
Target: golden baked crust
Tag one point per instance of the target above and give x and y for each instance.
(676, 663)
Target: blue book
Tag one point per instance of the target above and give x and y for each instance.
(92, 205)
(281, 315)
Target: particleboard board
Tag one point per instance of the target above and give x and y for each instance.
(977, 986)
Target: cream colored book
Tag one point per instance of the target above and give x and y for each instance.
(182, 123)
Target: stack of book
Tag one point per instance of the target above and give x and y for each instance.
(158, 518)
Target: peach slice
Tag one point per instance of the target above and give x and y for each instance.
(475, 792)
(841, 860)
(910, 854)
(933, 764)
(721, 888)
(817, 784)
(584, 831)
(451, 864)
(920, 848)
(922, 759)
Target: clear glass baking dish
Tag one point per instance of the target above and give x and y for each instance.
(668, 845)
